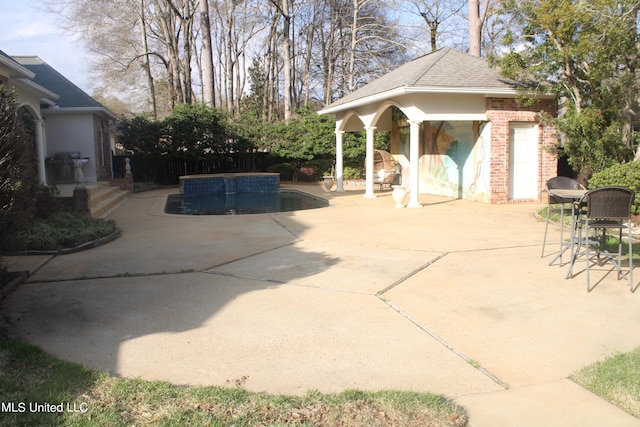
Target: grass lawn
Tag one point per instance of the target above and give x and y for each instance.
(29, 376)
(616, 379)
(611, 242)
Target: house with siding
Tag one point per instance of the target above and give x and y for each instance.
(457, 130)
(70, 125)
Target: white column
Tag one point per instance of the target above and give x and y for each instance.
(339, 163)
(368, 164)
(414, 160)
(42, 174)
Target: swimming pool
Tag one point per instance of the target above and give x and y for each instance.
(242, 203)
(230, 183)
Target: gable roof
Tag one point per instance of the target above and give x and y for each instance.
(70, 95)
(16, 69)
(23, 78)
(442, 71)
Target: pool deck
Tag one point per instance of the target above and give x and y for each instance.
(452, 298)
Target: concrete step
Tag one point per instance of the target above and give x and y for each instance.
(103, 198)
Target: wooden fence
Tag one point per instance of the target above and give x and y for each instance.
(167, 171)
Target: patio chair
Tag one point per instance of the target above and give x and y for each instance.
(557, 183)
(600, 210)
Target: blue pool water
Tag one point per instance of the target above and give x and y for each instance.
(241, 203)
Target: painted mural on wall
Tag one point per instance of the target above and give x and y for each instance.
(454, 157)
(453, 160)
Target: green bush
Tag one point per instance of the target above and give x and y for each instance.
(63, 230)
(353, 172)
(625, 175)
(284, 169)
(46, 201)
(17, 169)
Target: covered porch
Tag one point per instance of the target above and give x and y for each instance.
(443, 155)
(456, 130)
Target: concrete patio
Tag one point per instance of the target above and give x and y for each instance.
(452, 298)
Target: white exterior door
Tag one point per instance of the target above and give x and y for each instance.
(523, 161)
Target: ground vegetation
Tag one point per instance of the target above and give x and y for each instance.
(616, 379)
(17, 170)
(32, 216)
(92, 398)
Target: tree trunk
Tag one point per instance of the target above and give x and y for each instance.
(270, 79)
(187, 28)
(308, 62)
(433, 33)
(286, 47)
(354, 43)
(208, 84)
(477, 18)
(328, 54)
(230, 62)
(284, 8)
(151, 97)
(166, 22)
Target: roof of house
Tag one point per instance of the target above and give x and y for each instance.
(444, 70)
(45, 75)
(14, 65)
(23, 78)
(70, 95)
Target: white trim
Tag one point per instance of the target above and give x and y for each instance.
(453, 117)
(30, 85)
(15, 66)
(76, 110)
(406, 90)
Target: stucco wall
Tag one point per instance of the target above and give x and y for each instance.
(454, 160)
(72, 132)
(470, 159)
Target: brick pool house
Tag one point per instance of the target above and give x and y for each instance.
(457, 130)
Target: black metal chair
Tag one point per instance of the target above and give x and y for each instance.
(600, 210)
(557, 183)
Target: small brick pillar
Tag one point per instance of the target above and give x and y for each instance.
(81, 201)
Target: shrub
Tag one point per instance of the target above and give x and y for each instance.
(17, 169)
(63, 230)
(46, 201)
(284, 169)
(314, 170)
(350, 172)
(308, 173)
(625, 175)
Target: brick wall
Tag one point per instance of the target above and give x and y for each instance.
(503, 111)
(125, 184)
(102, 148)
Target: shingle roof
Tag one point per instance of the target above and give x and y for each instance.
(71, 96)
(2, 53)
(16, 70)
(439, 70)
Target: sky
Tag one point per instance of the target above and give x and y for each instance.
(27, 29)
